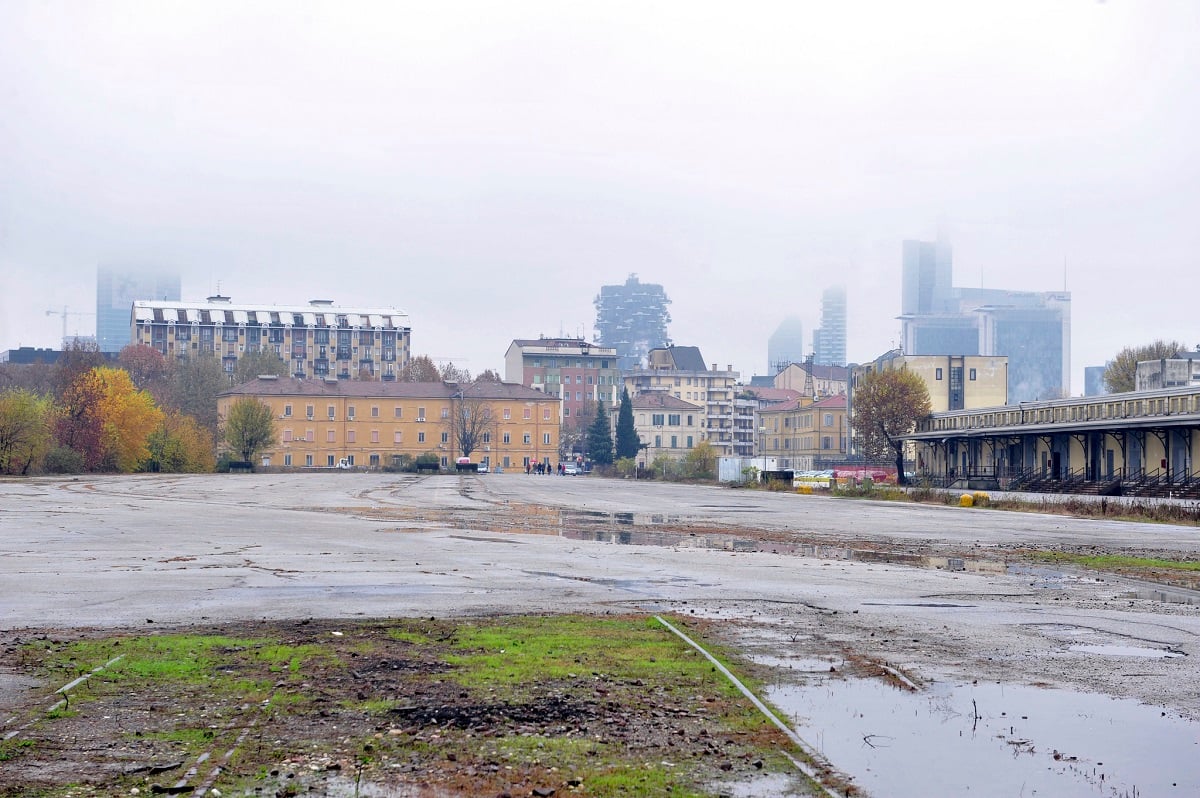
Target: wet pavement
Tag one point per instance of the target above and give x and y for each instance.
(1084, 665)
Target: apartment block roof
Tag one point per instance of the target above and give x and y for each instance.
(370, 389)
(802, 403)
(661, 400)
(562, 346)
(220, 310)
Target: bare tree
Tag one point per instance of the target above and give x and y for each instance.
(887, 406)
(472, 421)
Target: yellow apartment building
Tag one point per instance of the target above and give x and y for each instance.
(666, 425)
(320, 422)
(802, 433)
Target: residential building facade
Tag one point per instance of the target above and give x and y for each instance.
(813, 380)
(370, 423)
(317, 340)
(117, 289)
(667, 426)
(681, 372)
(954, 383)
(803, 434)
(578, 372)
(632, 318)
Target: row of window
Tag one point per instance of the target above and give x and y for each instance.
(803, 421)
(309, 436)
(398, 412)
(553, 363)
(565, 379)
(669, 419)
(805, 442)
(374, 460)
(688, 442)
(1096, 410)
(253, 334)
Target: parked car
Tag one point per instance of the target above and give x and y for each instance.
(570, 470)
(482, 468)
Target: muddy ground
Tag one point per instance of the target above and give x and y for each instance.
(903, 594)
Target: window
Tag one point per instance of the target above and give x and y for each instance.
(566, 412)
(829, 419)
(579, 396)
(287, 411)
(396, 437)
(308, 435)
(445, 437)
(374, 461)
(657, 441)
(287, 460)
(545, 414)
(329, 436)
(308, 460)
(420, 437)
(399, 412)
(329, 461)
(374, 436)
(689, 421)
(525, 438)
(826, 442)
(527, 414)
(673, 419)
(972, 375)
(287, 435)
(507, 438)
(674, 442)
(445, 412)
(420, 414)
(309, 410)
(656, 419)
(332, 412)
(938, 374)
(350, 436)
(545, 438)
(374, 411)
(350, 412)
(689, 441)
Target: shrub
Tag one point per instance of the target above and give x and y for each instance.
(64, 460)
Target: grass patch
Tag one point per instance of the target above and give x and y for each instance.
(528, 650)
(11, 749)
(1113, 562)
(599, 706)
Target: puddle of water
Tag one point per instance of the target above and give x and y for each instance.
(1167, 596)
(801, 664)
(1126, 651)
(1025, 740)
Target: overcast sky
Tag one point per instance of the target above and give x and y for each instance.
(487, 167)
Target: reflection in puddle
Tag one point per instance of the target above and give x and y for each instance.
(994, 740)
(1126, 651)
(1168, 596)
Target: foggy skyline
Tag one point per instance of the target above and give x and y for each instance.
(487, 168)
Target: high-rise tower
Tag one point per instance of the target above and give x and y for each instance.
(786, 345)
(632, 318)
(116, 290)
(829, 340)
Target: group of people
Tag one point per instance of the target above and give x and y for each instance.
(543, 468)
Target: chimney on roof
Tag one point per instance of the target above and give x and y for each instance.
(218, 299)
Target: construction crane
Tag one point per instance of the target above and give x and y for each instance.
(64, 313)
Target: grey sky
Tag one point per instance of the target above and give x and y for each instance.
(485, 167)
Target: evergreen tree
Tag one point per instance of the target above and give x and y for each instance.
(628, 444)
(599, 438)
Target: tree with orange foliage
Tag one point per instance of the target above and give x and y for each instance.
(180, 445)
(129, 416)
